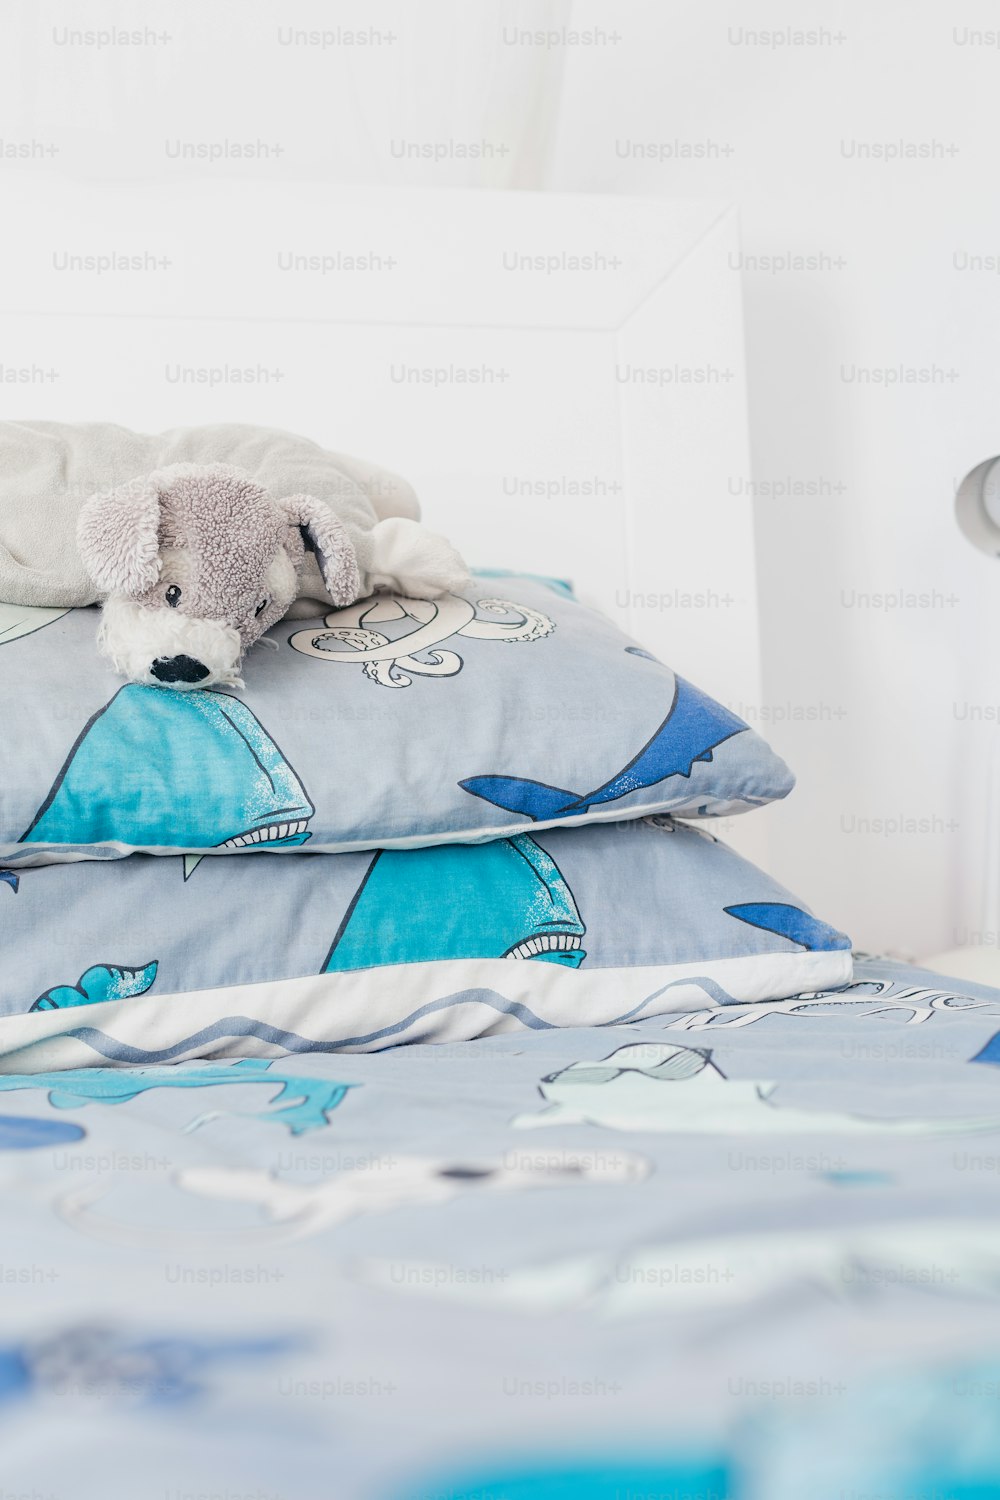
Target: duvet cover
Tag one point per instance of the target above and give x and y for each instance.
(749, 1251)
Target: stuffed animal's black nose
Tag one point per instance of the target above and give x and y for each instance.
(178, 669)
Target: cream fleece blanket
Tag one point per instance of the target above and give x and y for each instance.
(48, 469)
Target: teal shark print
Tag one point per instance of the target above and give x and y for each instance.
(159, 769)
(309, 1101)
(506, 899)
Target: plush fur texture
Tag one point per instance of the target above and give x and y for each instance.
(124, 555)
(49, 469)
(196, 563)
(132, 636)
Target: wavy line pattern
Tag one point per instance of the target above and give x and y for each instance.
(709, 987)
(248, 1026)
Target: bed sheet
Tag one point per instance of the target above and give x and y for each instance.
(692, 1255)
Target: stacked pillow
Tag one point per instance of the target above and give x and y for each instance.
(418, 820)
(395, 723)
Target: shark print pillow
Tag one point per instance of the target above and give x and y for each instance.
(394, 723)
(558, 927)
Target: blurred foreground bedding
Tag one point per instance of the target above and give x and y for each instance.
(750, 1251)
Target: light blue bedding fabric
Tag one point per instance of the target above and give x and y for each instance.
(152, 958)
(749, 1251)
(393, 723)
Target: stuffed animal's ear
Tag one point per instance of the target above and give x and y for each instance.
(323, 533)
(118, 537)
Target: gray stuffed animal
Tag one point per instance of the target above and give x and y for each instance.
(196, 562)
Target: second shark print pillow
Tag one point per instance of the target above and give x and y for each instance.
(394, 723)
(580, 927)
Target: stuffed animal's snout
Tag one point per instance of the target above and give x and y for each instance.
(179, 669)
(162, 647)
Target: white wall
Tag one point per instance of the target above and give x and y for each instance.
(885, 696)
(356, 91)
(889, 693)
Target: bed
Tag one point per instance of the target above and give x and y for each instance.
(715, 1245)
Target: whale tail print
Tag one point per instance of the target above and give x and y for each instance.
(102, 982)
(694, 727)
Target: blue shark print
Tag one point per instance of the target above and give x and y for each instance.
(153, 1370)
(990, 1053)
(507, 899)
(156, 768)
(310, 1100)
(694, 727)
(10, 878)
(102, 982)
(790, 922)
(27, 1133)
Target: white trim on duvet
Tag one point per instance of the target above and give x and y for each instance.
(367, 1010)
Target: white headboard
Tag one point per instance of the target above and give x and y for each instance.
(561, 377)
